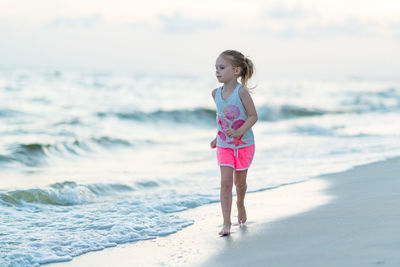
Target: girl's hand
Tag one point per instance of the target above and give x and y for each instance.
(231, 133)
(213, 143)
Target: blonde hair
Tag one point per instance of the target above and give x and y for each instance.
(237, 59)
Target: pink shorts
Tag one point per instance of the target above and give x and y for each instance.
(239, 159)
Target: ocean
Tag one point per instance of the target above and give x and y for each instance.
(90, 160)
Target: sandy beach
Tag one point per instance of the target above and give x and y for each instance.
(343, 219)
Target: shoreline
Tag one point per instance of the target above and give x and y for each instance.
(278, 221)
(197, 242)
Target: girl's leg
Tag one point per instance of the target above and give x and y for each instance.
(241, 187)
(226, 198)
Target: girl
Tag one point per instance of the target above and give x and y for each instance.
(236, 115)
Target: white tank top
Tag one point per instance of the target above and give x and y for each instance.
(231, 114)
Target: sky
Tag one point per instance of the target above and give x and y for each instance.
(291, 38)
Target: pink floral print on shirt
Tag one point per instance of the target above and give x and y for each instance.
(231, 112)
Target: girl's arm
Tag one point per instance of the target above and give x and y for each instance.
(213, 143)
(251, 114)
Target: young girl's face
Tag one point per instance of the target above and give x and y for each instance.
(225, 71)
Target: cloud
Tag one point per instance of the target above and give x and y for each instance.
(75, 22)
(281, 12)
(312, 29)
(179, 24)
(349, 27)
(305, 21)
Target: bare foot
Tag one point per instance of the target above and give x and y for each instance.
(242, 216)
(226, 230)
